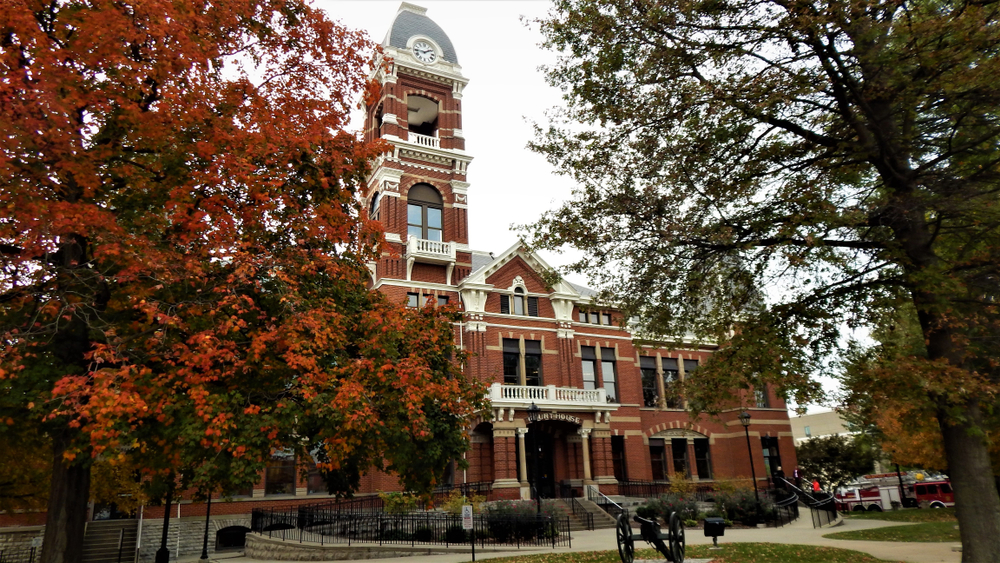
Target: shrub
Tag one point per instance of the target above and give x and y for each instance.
(456, 534)
(424, 534)
(398, 503)
(515, 519)
(456, 500)
(743, 506)
(681, 485)
(661, 507)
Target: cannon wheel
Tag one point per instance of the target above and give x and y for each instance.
(677, 542)
(626, 546)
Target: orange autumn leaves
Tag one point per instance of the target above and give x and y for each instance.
(183, 252)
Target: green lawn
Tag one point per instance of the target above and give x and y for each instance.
(908, 515)
(922, 532)
(730, 553)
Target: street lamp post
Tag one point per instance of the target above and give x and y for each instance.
(208, 516)
(533, 411)
(745, 421)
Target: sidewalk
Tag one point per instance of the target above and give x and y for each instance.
(799, 532)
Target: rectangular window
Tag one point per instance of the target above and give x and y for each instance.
(412, 299)
(533, 363)
(679, 448)
(589, 367)
(671, 378)
(315, 484)
(658, 457)
(518, 304)
(618, 457)
(650, 394)
(414, 220)
(511, 362)
(583, 316)
(772, 457)
(594, 319)
(690, 366)
(505, 304)
(442, 300)
(702, 458)
(279, 475)
(532, 306)
(434, 225)
(608, 374)
(761, 396)
(606, 319)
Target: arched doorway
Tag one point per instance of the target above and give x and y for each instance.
(231, 538)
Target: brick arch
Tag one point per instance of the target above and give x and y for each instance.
(443, 189)
(433, 96)
(677, 425)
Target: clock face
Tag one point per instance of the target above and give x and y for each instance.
(424, 52)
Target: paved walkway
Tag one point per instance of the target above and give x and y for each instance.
(799, 532)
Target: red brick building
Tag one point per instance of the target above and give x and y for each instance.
(608, 406)
(609, 411)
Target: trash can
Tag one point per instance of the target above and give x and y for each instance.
(715, 527)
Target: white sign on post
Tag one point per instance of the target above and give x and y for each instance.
(466, 516)
(36, 542)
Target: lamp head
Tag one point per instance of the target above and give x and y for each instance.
(533, 411)
(744, 419)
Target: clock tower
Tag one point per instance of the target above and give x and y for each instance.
(418, 191)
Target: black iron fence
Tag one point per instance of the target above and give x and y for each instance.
(20, 553)
(332, 527)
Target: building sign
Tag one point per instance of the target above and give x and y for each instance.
(559, 416)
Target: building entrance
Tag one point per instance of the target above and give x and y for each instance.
(540, 447)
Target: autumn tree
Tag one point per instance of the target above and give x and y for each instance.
(183, 279)
(784, 171)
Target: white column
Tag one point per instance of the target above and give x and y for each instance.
(585, 434)
(522, 470)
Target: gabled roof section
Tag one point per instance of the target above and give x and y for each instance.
(481, 273)
(412, 20)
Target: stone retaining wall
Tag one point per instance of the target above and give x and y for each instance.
(271, 549)
(15, 543)
(189, 530)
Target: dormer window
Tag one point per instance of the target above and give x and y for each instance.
(424, 209)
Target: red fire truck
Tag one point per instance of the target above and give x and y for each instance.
(937, 493)
(877, 492)
(872, 499)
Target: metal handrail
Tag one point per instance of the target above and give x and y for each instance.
(581, 512)
(812, 499)
(600, 499)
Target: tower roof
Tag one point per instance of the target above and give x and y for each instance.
(412, 20)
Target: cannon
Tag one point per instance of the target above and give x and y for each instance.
(669, 544)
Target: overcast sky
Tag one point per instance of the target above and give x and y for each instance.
(500, 56)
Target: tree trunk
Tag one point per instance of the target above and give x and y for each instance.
(977, 504)
(66, 520)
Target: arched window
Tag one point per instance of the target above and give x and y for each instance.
(424, 208)
(376, 203)
(518, 301)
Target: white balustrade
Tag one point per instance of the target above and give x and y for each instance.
(549, 395)
(430, 250)
(424, 140)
